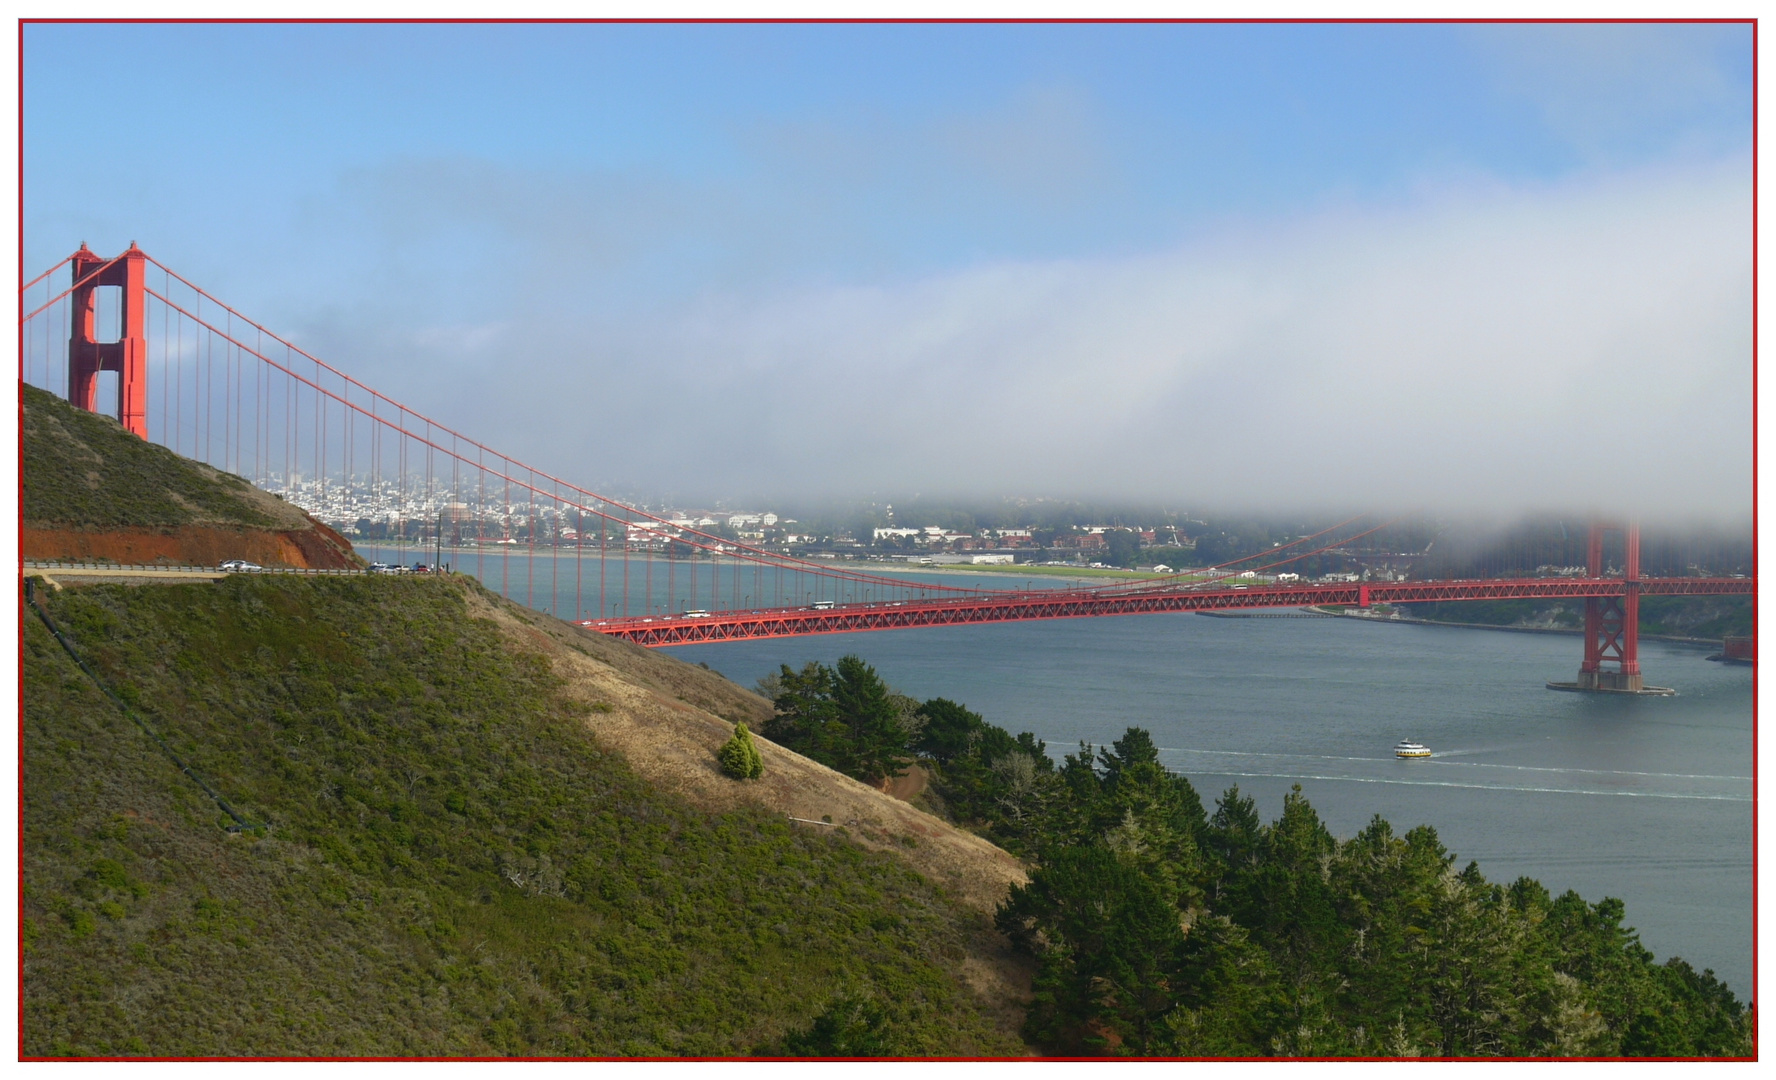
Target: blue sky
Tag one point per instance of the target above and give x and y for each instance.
(702, 222)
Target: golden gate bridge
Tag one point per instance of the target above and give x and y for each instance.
(186, 370)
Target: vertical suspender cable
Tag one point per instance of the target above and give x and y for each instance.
(530, 530)
(579, 554)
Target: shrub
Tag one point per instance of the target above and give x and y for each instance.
(851, 1026)
(739, 756)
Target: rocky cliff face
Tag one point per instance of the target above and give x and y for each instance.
(316, 547)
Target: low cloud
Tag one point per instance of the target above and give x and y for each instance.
(1563, 347)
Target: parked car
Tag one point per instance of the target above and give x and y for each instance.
(239, 564)
(384, 568)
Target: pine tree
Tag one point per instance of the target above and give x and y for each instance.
(878, 742)
(844, 717)
(739, 756)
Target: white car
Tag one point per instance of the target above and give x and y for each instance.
(239, 564)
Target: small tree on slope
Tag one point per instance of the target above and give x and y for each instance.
(739, 756)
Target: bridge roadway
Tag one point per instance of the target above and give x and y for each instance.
(756, 623)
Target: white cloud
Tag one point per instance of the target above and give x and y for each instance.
(1587, 344)
(1568, 346)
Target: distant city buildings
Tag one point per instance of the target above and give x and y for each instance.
(432, 511)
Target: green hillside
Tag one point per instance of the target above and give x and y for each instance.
(452, 864)
(83, 470)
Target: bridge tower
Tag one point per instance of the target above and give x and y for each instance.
(1612, 623)
(128, 355)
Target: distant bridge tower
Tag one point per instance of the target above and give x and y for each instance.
(128, 355)
(1612, 623)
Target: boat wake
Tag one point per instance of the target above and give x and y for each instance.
(1438, 759)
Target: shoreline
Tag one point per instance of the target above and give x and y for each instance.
(1572, 631)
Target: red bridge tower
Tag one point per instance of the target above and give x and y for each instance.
(128, 355)
(1612, 623)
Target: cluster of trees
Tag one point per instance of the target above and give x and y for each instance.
(844, 717)
(1162, 928)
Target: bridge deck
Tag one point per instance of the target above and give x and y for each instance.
(757, 623)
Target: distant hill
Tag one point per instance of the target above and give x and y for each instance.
(1711, 617)
(92, 490)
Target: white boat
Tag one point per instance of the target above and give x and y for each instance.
(1408, 749)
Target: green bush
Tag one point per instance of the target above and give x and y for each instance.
(852, 1026)
(739, 756)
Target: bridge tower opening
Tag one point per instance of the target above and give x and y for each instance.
(1612, 623)
(128, 354)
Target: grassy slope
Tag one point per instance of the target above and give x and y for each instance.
(455, 865)
(674, 747)
(84, 471)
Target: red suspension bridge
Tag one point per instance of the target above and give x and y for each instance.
(130, 337)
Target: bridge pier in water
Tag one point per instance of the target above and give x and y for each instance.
(1612, 624)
